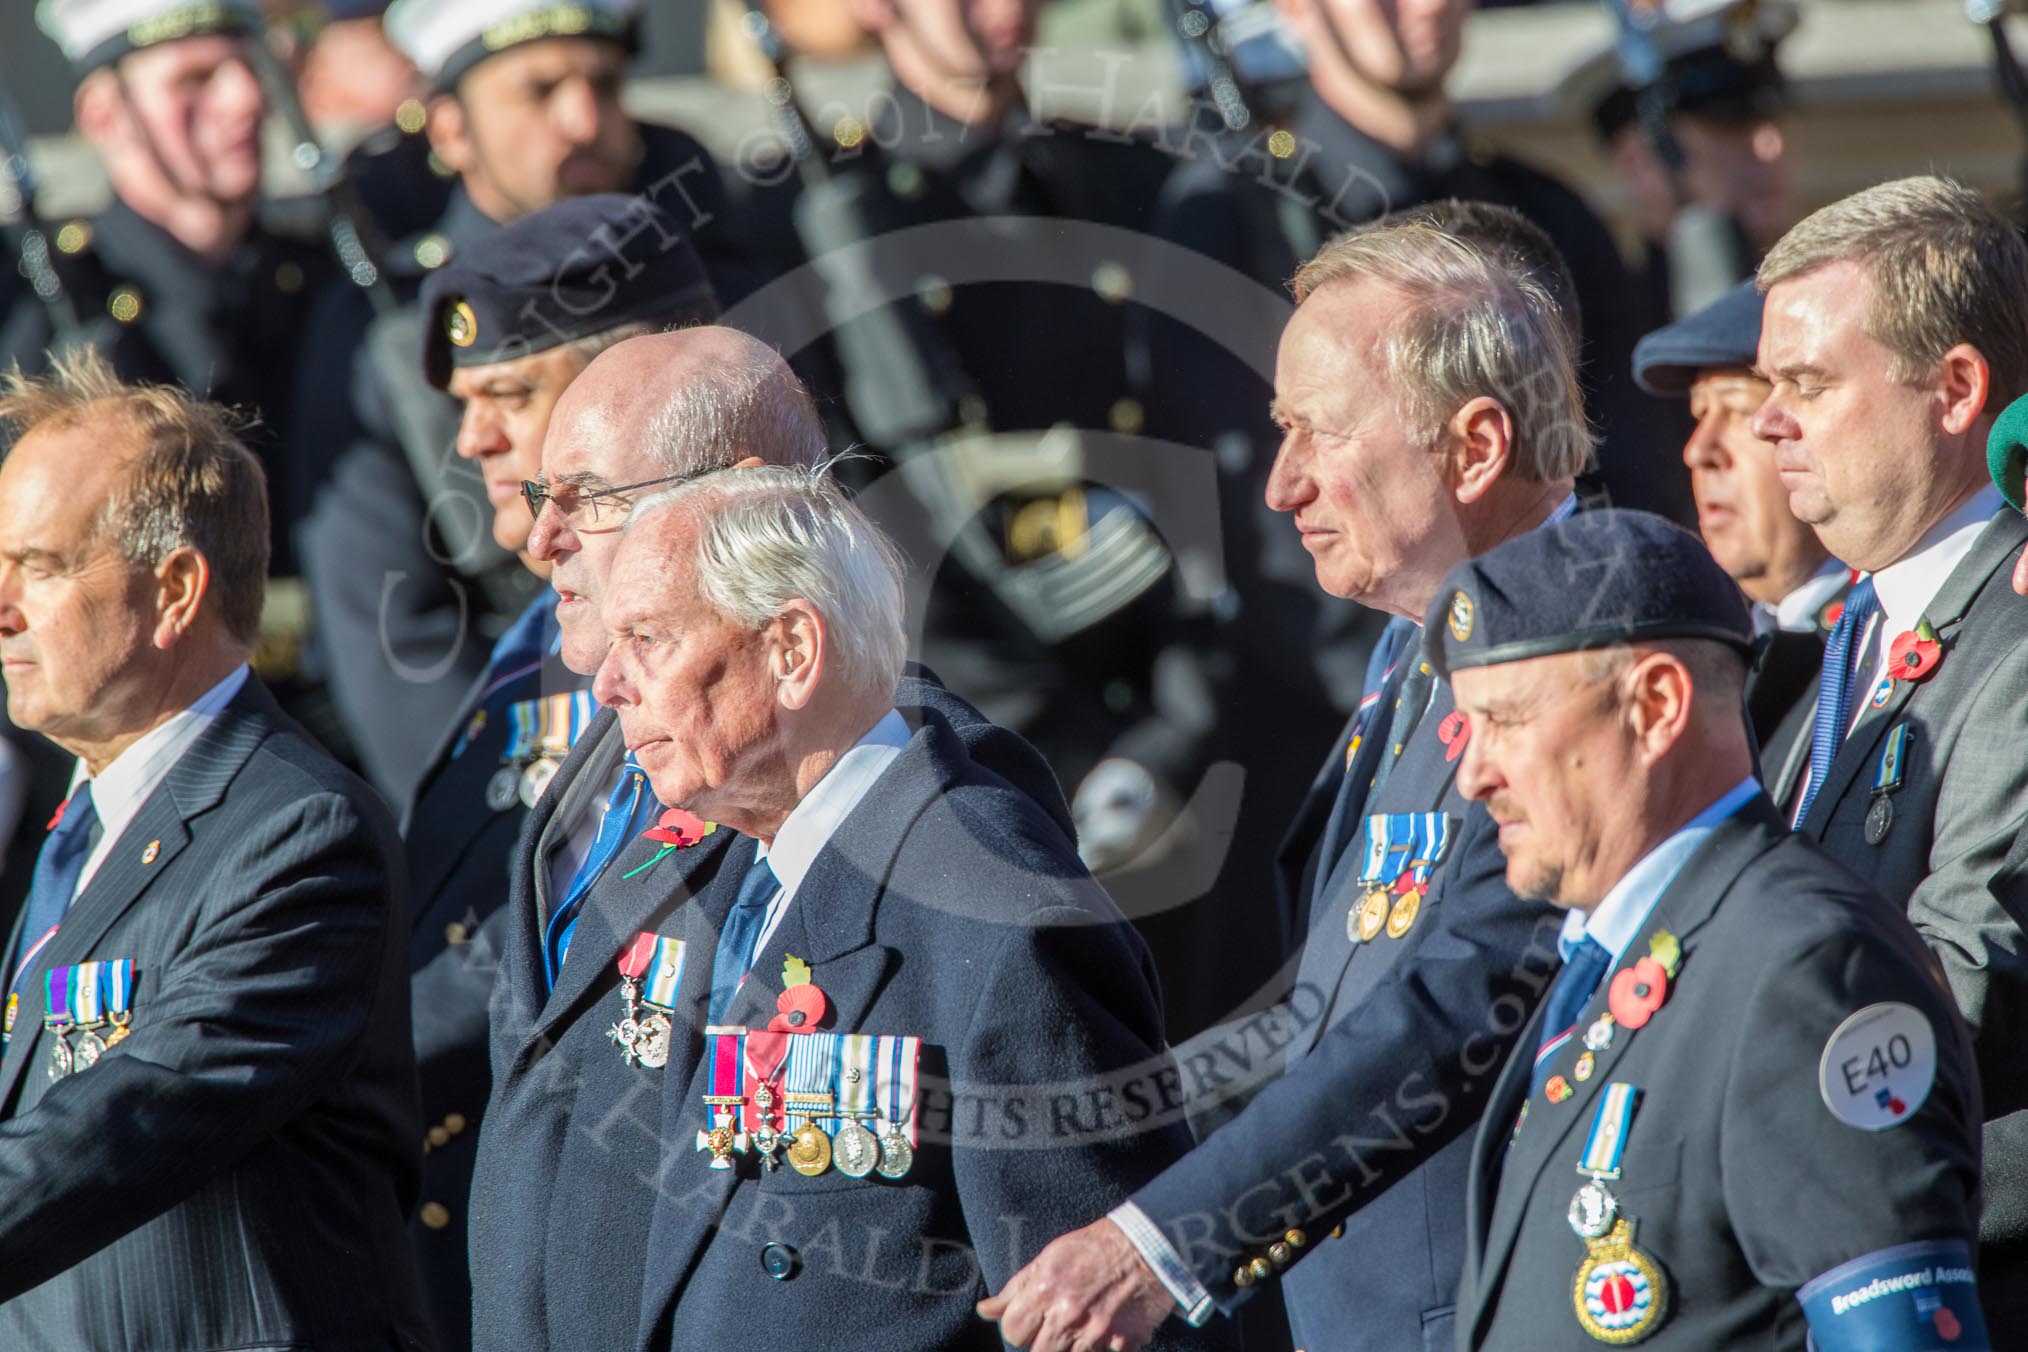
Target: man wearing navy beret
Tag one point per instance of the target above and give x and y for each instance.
(1769, 1100)
(1796, 587)
(507, 327)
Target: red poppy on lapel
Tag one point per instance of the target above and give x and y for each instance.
(1915, 653)
(1637, 992)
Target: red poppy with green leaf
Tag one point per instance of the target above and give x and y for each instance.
(1915, 653)
(675, 830)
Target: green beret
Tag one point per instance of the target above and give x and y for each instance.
(2006, 450)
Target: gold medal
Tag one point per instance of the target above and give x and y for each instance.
(1585, 1064)
(1372, 915)
(1406, 907)
(1619, 1293)
(810, 1151)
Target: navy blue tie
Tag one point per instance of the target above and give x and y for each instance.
(1834, 689)
(1568, 995)
(619, 824)
(736, 940)
(57, 869)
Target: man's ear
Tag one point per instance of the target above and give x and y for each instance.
(1965, 382)
(182, 582)
(1659, 702)
(797, 653)
(98, 108)
(449, 132)
(1482, 441)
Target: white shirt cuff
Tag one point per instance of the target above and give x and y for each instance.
(1193, 1302)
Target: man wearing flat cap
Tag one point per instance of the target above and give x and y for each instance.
(508, 326)
(409, 589)
(1796, 588)
(1746, 1111)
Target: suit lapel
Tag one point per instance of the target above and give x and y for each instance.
(143, 851)
(1552, 1145)
(829, 925)
(1994, 548)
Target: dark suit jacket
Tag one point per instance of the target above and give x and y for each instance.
(572, 1143)
(1394, 1046)
(235, 1173)
(1781, 696)
(1962, 802)
(458, 852)
(946, 906)
(1742, 1183)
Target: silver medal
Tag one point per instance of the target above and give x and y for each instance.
(60, 1061)
(895, 1153)
(1593, 1210)
(652, 1041)
(854, 1151)
(626, 1035)
(503, 789)
(535, 779)
(1599, 1036)
(87, 1052)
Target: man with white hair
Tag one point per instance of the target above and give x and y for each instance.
(570, 1127)
(899, 960)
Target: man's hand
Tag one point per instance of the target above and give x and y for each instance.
(1088, 1291)
(2021, 573)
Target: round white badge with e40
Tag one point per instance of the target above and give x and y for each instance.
(1878, 1067)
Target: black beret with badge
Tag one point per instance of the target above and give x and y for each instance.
(94, 33)
(1596, 580)
(1718, 62)
(446, 38)
(579, 268)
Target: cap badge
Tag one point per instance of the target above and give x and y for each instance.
(1461, 617)
(461, 326)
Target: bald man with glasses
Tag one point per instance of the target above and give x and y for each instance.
(508, 327)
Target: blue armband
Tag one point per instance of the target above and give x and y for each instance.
(1920, 1297)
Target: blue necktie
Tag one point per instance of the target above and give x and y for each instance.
(1568, 995)
(57, 869)
(617, 826)
(736, 939)
(1834, 690)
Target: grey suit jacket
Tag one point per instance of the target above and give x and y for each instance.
(1740, 1183)
(1962, 802)
(234, 1174)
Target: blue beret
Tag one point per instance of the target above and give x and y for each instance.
(569, 271)
(1596, 580)
(1724, 333)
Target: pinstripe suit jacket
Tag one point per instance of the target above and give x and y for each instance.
(1961, 803)
(235, 1173)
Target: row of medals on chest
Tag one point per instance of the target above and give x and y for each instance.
(65, 1058)
(643, 1038)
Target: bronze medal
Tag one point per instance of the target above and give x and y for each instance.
(1585, 1063)
(810, 1150)
(1372, 914)
(1406, 907)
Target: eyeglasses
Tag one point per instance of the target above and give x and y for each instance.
(579, 508)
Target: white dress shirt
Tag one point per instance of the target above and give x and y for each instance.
(811, 824)
(119, 790)
(1906, 587)
(1797, 612)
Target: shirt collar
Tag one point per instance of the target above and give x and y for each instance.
(1619, 917)
(1798, 610)
(814, 820)
(1906, 587)
(119, 790)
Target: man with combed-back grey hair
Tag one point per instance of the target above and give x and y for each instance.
(553, 1195)
(886, 900)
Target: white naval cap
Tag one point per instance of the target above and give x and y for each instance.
(446, 38)
(92, 33)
